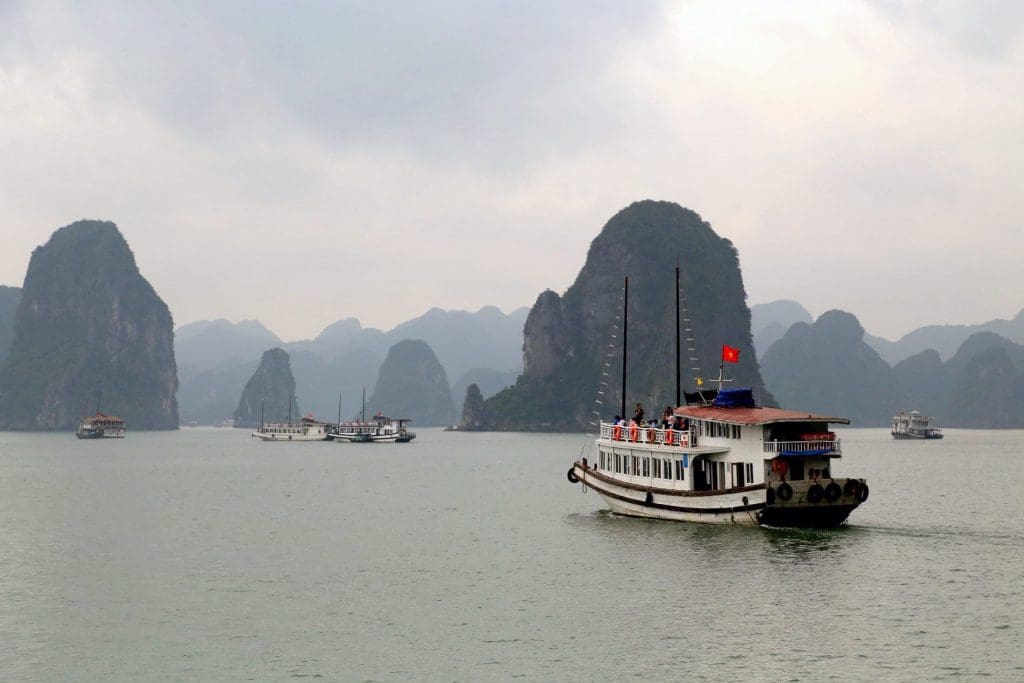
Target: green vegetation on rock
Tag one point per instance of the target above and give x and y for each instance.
(566, 339)
(88, 322)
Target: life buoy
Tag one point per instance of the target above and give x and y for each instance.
(669, 436)
(617, 433)
(862, 492)
(571, 476)
(832, 492)
(785, 491)
(815, 493)
(851, 488)
(634, 431)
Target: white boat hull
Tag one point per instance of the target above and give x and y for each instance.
(290, 437)
(738, 506)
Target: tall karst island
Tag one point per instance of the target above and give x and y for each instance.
(568, 340)
(88, 324)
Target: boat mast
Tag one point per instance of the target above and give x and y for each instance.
(262, 421)
(678, 371)
(289, 410)
(98, 395)
(339, 408)
(625, 341)
(362, 414)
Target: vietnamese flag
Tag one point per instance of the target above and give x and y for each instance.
(729, 354)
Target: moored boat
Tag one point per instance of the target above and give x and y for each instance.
(378, 429)
(914, 426)
(100, 426)
(308, 429)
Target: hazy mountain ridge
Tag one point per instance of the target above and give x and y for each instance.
(770, 321)
(566, 338)
(88, 322)
(829, 367)
(945, 339)
(343, 359)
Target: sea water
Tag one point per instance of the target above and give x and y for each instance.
(206, 554)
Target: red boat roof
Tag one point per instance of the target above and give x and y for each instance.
(754, 416)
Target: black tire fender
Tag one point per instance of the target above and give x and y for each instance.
(571, 476)
(852, 488)
(832, 492)
(862, 492)
(815, 493)
(785, 491)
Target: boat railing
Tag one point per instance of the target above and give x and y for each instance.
(802, 446)
(648, 435)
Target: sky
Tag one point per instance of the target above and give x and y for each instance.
(302, 162)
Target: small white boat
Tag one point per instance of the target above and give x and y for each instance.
(307, 429)
(914, 426)
(379, 429)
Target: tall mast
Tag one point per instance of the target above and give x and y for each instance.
(625, 341)
(678, 373)
(289, 408)
(98, 394)
(262, 421)
(363, 413)
(339, 408)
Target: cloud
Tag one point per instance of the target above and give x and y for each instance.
(300, 163)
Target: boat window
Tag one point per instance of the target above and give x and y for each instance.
(738, 472)
(680, 470)
(657, 468)
(750, 472)
(618, 465)
(647, 467)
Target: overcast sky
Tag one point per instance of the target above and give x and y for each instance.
(301, 162)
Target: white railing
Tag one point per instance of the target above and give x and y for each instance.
(648, 435)
(801, 446)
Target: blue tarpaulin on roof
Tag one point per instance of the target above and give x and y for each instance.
(735, 398)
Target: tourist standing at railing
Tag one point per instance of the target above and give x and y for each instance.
(617, 428)
(638, 413)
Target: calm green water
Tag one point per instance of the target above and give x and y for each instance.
(203, 554)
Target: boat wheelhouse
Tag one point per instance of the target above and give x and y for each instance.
(915, 426)
(740, 465)
(101, 426)
(308, 429)
(378, 429)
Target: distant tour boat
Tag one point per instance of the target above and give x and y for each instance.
(720, 458)
(100, 426)
(914, 426)
(378, 429)
(308, 429)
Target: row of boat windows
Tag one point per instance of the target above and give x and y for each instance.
(659, 468)
(718, 429)
(275, 430)
(712, 473)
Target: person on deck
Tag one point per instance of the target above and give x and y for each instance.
(638, 413)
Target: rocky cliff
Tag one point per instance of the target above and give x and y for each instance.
(473, 411)
(566, 339)
(10, 297)
(88, 322)
(413, 384)
(270, 392)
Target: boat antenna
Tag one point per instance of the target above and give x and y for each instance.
(625, 341)
(678, 373)
(289, 409)
(98, 395)
(339, 408)
(362, 414)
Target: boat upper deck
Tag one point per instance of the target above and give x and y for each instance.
(754, 416)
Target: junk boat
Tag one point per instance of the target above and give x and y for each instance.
(731, 462)
(100, 426)
(721, 459)
(915, 426)
(308, 429)
(378, 429)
